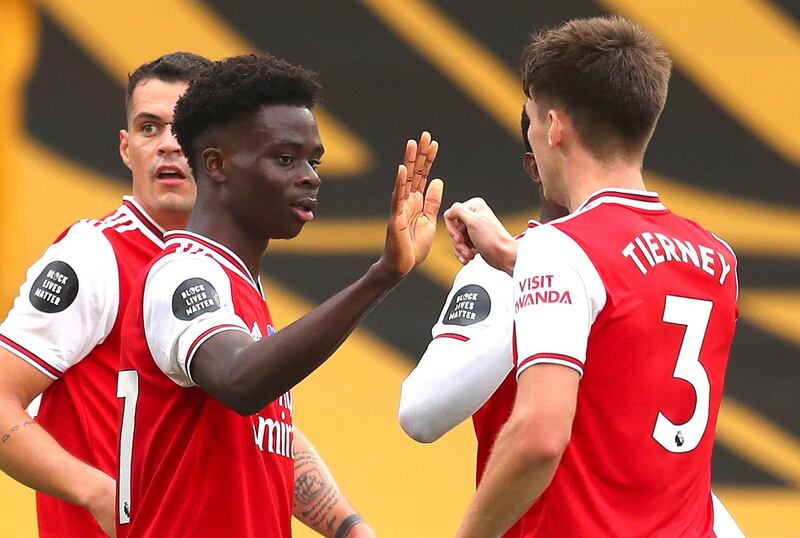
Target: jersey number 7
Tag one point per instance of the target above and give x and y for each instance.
(694, 314)
(128, 390)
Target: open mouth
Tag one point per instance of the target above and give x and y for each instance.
(304, 209)
(169, 173)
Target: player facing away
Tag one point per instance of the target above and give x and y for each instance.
(65, 323)
(467, 369)
(207, 443)
(624, 313)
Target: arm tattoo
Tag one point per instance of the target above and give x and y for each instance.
(14, 429)
(314, 496)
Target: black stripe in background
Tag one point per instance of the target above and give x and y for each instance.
(73, 106)
(762, 373)
(789, 8)
(403, 319)
(380, 88)
(728, 469)
(696, 141)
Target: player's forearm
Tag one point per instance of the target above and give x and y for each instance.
(318, 501)
(260, 372)
(517, 473)
(31, 456)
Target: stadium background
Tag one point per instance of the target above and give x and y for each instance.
(727, 153)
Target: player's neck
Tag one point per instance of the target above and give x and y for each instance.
(225, 230)
(586, 176)
(167, 220)
(170, 220)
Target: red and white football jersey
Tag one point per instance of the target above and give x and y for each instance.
(642, 304)
(66, 323)
(189, 465)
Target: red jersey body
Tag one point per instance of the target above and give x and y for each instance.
(190, 466)
(66, 323)
(642, 304)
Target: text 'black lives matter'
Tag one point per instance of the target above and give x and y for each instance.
(55, 288)
(194, 297)
(469, 305)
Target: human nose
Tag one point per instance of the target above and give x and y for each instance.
(309, 180)
(168, 143)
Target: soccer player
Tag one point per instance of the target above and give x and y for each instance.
(207, 440)
(467, 368)
(65, 324)
(624, 313)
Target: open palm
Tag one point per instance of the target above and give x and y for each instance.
(412, 223)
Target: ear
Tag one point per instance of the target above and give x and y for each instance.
(123, 148)
(213, 164)
(555, 132)
(531, 168)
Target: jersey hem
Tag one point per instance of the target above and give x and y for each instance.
(31, 358)
(205, 335)
(550, 358)
(454, 336)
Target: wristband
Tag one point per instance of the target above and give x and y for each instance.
(348, 524)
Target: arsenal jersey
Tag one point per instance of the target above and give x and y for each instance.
(641, 303)
(66, 323)
(189, 465)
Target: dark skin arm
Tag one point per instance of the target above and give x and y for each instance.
(247, 375)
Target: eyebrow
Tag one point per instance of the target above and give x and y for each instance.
(319, 148)
(149, 116)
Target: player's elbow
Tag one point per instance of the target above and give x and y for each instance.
(537, 444)
(416, 416)
(247, 399)
(418, 425)
(234, 399)
(244, 408)
(544, 450)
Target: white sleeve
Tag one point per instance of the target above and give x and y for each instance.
(187, 300)
(724, 524)
(467, 359)
(68, 303)
(557, 297)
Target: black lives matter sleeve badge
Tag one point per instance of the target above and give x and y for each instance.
(55, 288)
(469, 305)
(193, 298)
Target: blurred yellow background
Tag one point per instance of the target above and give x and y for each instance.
(743, 57)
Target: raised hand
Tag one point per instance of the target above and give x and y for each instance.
(412, 222)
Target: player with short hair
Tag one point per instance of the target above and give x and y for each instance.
(65, 323)
(207, 440)
(624, 313)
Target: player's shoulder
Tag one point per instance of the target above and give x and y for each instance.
(130, 217)
(173, 263)
(82, 235)
(709, 236)
(81, 249)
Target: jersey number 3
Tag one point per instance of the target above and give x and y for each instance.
(694, 314)
(128, 390)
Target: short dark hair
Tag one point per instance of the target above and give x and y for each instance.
(236, 87)
(525, 123)
(172, 67)
(609, 74)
